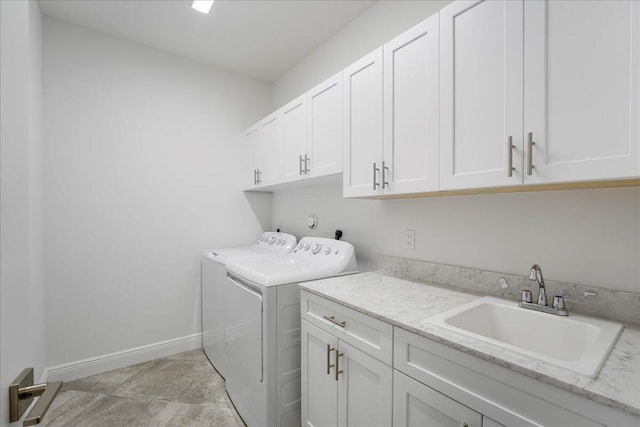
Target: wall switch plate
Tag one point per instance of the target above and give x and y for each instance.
(410, 239)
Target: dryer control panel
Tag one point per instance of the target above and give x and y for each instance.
(281, 243)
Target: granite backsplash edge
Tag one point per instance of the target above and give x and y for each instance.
(621, 306)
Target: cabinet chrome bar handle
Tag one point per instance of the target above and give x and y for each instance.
(300, 164)
(259, 176)
(375, 169)
(384, 179)
(510, 147)
(333, 320)
(530, 145)
(329, 365)
(338, 370)
(306, 164)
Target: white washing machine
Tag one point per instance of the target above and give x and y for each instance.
(215, 307)
(263, 379)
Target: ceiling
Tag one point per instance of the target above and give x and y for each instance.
(258, 38)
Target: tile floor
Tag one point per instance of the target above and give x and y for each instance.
(180, 390)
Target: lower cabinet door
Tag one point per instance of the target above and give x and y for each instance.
(319, 385)
(416, 405)
(365, 389)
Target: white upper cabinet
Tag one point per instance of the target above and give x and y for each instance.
(363, 126)
(582, 90)
(481, 101)
(539, 92)
(401, 99)
(253, 156)
(411, 102)
(270, 146)
(294, 138)
(324, 127)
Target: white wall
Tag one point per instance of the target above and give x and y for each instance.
(21, 284)
(374, 27)
(142, 169)
(589, 237)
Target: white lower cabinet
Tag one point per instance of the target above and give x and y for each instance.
(416, 405)
(347, 380)
(341, 385)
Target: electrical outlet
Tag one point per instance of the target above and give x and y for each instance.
(410, 239)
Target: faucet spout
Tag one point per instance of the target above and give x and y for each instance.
(536, 274)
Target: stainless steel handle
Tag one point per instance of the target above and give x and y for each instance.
(375, 169)
(510, 148)
(22, 392)
(530, 144)
(329, 365)
(333, 320)
(259, 177)
(384, 179)
(255, 176)
(306, 165)
(42, 405)
(300, 164)
(338, 370)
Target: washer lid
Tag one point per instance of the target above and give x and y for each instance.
(314, 258)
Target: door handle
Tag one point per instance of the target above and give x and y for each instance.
(329, 365)
(22, 392)
(306, 165)
(375, 169)
(530, 144)
(510, 148)
(384, 179)
(338, 370)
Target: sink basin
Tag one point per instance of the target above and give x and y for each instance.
(578, 343)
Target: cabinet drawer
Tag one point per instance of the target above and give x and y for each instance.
(370, 335)
(503, 395)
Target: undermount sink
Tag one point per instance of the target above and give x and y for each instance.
(578, 343)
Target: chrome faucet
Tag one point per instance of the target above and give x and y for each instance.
(558, 301)
(536, 274)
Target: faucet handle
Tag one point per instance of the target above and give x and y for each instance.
(526, 296)
(558, 302)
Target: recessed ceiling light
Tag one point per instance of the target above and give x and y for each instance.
(203, 6)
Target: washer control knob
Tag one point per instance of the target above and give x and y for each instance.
(316, 248)
(307, 246)
(272, 240)
(301, 245)
(327, 250)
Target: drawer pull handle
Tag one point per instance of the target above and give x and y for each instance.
(333, 320)
(338, 370)
(329, 365)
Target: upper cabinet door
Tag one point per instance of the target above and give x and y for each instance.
(294, 139)
(271, 147)
(411, 104)
(253, 156)
(582, 90)
(481, 97)
(324, 152)
(363, 126)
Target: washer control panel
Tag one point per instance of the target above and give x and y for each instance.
(276, 242)
(321, 248)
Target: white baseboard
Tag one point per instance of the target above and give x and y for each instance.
(95, 365)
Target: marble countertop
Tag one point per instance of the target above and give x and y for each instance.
(409, 305)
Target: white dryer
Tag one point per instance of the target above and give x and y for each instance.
(215, 307)
(263, 379)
